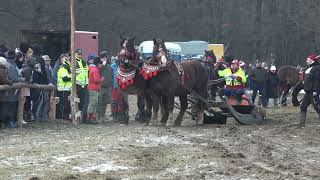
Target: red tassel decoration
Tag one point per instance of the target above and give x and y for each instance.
(145, 77)
(150, 74)
(155, 73)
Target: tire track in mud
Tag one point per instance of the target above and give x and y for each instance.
(266, 158)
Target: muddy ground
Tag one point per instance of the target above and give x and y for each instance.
(274, 150)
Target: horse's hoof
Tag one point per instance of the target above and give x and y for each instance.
(162, 124)
(146, 124)
(200, 123)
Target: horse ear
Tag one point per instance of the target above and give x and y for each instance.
(205, 51)
(154, 41)
(133, 38)
(163, 41)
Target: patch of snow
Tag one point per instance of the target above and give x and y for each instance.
(39, 143)
(172, 170)
(65, 158)
(5, 163)
(110, 166)
(151, 141)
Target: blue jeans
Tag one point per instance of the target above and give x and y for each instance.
(237, 93)
(262, 91)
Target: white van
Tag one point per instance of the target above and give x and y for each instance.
(146, 48)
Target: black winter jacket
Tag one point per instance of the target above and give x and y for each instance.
(312, 78)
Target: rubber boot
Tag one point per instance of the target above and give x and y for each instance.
(303, 117)
(93, 119)
(318, 120)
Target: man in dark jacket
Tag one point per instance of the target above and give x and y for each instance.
(106, 87)
(39, 76)
(311, 88)
(258, 77)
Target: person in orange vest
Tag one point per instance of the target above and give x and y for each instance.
(235, 79)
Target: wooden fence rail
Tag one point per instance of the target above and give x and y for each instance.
(52, 112)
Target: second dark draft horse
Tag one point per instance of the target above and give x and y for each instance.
(177, 79)
(289, 77)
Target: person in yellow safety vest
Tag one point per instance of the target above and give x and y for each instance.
(235, 80)
(82, 82)
(81, 70)
(64, 85)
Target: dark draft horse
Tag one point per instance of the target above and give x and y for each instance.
(129, 80)
(289, 77)
(177, 79)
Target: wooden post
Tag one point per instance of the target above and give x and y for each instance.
(52, 113)
(22, 99)
(73, 103)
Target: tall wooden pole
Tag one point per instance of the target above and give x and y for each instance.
(73, 104)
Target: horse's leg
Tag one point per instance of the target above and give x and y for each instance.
(125, 110)
(155, 108)
(149, 102)
(183, 108)
(201, 105)
(141, 114)
(164, 110)
(170, 103)
(295, 93)
(284, 95)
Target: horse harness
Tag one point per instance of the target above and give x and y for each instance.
(180, 71)
(125, 75)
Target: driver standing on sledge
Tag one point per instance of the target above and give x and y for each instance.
(235, 79)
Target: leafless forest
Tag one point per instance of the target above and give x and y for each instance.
(281, 30)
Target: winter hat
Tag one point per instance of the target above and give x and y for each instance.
(97, 61)
(228, 59)
(273, 68)
(11, 54)
(235, 62)
(79, 51)
(312, 57)
(3, 49)
(242, 64)
(3, 62)
(24, 47)
(29, 51)
(46, 58)
(104, 54)
(91, 56)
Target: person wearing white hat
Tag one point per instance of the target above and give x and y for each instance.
(272, 84)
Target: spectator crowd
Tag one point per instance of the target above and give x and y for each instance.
(94, 83)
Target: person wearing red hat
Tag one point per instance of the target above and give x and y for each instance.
(235, 80)
(311, 88)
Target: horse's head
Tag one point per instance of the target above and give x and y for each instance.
(127, 52)
(209, 56)
(160, 52)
